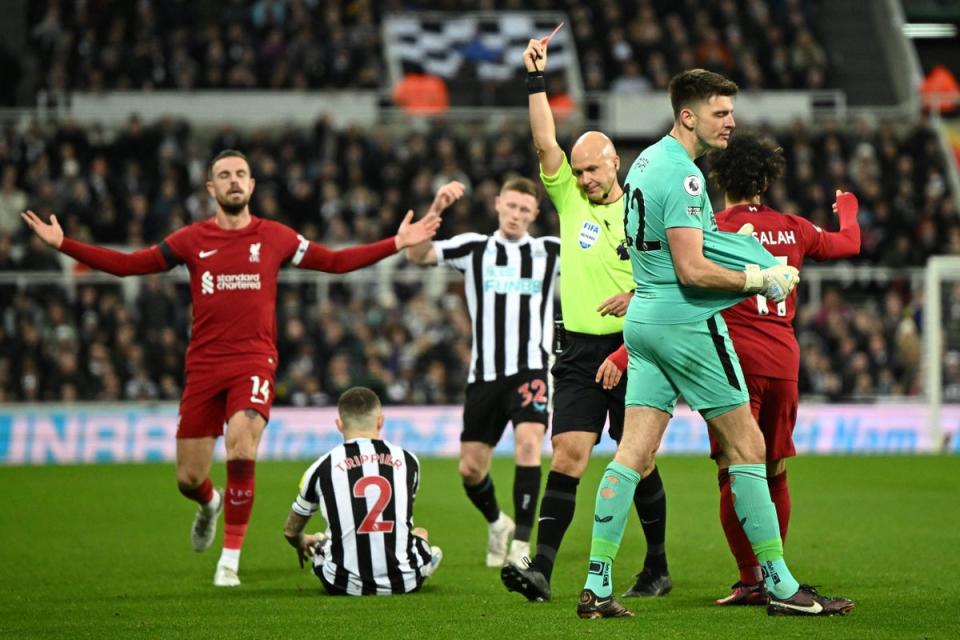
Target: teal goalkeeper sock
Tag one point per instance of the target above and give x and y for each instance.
(614, 501)
(758, 517)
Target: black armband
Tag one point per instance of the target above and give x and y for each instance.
(536, 82)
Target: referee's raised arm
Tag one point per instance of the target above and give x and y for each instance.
(541, 117)
(595, 290)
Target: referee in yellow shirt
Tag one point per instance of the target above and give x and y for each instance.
(596, 285)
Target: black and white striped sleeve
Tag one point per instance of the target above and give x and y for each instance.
(308, 498)
(456, 251)
(413, 473)
(552, 246)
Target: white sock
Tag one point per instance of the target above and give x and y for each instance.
(230, 558)
(214, 504)
(499, 522)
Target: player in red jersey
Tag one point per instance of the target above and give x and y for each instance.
(762, 331)
(233, 260)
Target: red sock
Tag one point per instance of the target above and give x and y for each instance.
(780, 494)
(736, 538)
(239, 497)
(202, 494)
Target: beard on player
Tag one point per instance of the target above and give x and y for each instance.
(231, 203)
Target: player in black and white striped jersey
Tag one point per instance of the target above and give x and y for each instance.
(365, 489)
(509, 281)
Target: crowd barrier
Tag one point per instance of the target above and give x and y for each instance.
(94, 433)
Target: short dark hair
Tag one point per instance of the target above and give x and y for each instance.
(696, 85)
(748, 166)
(226, 153)
(522, 185)
(357, 403)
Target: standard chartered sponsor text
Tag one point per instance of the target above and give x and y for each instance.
(238, 281)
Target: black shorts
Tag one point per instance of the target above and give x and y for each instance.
(522, 397)
(579, 402)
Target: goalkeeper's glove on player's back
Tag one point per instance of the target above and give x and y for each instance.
(774, 283)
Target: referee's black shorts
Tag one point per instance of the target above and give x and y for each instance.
(522, 397)
(579, 402)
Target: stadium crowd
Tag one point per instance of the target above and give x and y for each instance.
(132, 187)
(307, 44)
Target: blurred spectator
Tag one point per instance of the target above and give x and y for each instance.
(421, 94)
(631, 81)
(13, 200)
(940, 90)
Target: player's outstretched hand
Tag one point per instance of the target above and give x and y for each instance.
(411, 233)
(535, 56)
(609, 374)
(446, 196)
(616, 305)
(846, 203)
(745, 230)
(51, 233)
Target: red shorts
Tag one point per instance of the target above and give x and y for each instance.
(774, 403)
(212, 395)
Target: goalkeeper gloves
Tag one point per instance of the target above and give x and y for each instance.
(774, 283)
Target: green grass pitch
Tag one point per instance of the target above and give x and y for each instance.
(104, 552)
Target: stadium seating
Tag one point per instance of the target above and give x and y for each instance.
(132, 188)
(300, 44)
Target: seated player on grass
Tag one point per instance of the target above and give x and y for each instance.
(365, 489)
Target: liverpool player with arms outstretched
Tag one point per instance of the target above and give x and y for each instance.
(233, 260)
(762, 330)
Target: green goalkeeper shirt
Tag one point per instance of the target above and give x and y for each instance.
(665, 189)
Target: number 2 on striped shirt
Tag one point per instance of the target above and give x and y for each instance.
(372, 523)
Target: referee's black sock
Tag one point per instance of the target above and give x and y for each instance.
(526, 489)
(651, 503)
(484, 498)
(556, 513)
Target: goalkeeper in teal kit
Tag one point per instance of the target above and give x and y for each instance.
(686, 272)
